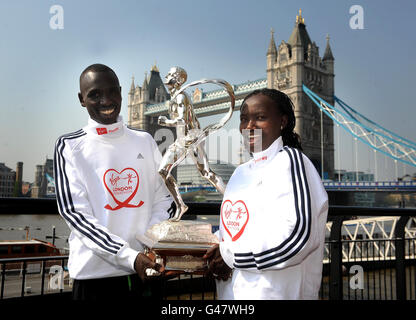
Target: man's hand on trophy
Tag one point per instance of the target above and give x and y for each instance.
(217, 268)
(148, 266)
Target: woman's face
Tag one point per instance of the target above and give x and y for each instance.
(260, 112)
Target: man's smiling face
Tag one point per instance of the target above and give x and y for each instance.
(101, 95)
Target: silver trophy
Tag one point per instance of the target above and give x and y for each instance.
(182, 243)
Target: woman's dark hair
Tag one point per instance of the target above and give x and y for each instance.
(285, 106)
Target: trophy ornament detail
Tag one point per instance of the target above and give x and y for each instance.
(182, 244)
(190, 136)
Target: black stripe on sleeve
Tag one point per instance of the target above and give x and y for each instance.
(302, 226)
(66, 206)
(305, 208)
(296, 186)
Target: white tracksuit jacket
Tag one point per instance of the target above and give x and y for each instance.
(272, 227)
(108, 190)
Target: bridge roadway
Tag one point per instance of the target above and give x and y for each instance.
(371, 186)
(338, 186)
(212, 102)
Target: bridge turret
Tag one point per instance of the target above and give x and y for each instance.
(145, 89)
(130, 101)
(271, 60)
(328, 62)
(299, 39)
(328, 58)
(143, 101)
(299, 42)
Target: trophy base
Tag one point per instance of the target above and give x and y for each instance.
(186, 263)
(180, 244)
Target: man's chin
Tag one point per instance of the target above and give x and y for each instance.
(109, 122)
(106, 120)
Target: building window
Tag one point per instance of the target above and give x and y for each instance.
(4, 250)
(17, 249)
(29, 249)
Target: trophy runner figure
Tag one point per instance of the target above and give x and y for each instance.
(190, 136)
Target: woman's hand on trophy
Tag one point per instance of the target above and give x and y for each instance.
(148, 266)
(217, 268)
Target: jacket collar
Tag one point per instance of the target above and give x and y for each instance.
(113, 130)
(263, 157)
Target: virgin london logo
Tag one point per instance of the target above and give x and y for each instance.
(122, 187)
(234, 217)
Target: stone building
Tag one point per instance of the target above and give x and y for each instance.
(11, 182)
(151, 92)
(289, 66)
(7, 181)
(43, 185)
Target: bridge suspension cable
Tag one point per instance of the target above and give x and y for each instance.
(367, 131)
(369, 123)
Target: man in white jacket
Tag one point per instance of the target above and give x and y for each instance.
(108, 191)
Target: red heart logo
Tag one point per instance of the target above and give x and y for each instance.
(234, 217)
(122, 187)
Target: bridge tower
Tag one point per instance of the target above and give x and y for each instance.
(293, 63)
(152, 91)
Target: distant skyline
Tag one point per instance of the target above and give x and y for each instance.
(40, 66)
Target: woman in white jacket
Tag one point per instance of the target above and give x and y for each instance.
(274, 210)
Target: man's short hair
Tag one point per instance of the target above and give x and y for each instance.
(97, 67)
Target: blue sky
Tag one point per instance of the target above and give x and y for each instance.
(40, 67)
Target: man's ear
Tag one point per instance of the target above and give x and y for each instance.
(81, 99)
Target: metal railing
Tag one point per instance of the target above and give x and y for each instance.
(383, 273)
(183, 286)
(19, 273)
(374, 268)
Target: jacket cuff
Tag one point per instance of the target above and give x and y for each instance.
(126, 257)
(227, 254)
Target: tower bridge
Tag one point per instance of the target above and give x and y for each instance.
(296, 68)
(289, 65)
(212, 102)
